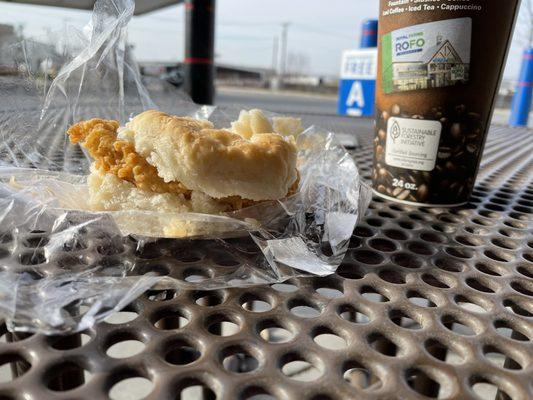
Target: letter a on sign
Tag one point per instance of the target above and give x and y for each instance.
(356, 95)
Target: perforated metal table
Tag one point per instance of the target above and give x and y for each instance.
(428, 303)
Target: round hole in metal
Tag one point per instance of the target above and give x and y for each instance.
(4, 253)
(194, 388)
(377, 222)
(526, 270)
(384, 345)
(368, 257)
(328, 289)
(351, 271)
(449, 264)
(68, 342)
(152, 269)
(515, 224)
(110, 249)
(409, 225)
(500, 358)
(273, 332)
(35, 241)
(403, 320)
(195, 275)
(34, 257)
(442, 352)
(160, 295)
(300, 369)
(392, 276)
(469, 241)
(460, 252)
(121, 317)
(420, 299)
(303, 309)
(395, 234)
(504, 243)
(131, 388)
(487, 269)
(432, 237)
(469, 304)
(208, 298)
(11, 363)
(150, 250)
(519, 307)
(353, 314)
(330, 341)
(355, 242)
(420, 248)
(522, 287)
(74, 244)
(5, 237)
(475, 230)
(255, 393)
(222, 324)
(461, 327)
(284, 287)
(435, 281)
(65, 376)
(238, 360)
(386, 214)
(253, 303)
(407, 260)
(125, 349)
(381, 244)
(478, 285)
(485, 389)
(170, 319)
(181, 352)
(372, 294)
(360, 377)
(424, 384)
(499, 255)
(363, 231)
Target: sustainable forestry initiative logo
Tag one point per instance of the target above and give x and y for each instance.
(395, 131)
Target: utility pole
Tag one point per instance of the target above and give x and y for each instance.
(275, 55)
(284, 31)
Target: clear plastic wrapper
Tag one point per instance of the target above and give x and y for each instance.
(64, 267)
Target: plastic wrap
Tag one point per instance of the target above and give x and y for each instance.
(63, 267)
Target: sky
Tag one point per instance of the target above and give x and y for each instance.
(246, 30)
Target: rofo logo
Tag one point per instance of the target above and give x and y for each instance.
(406, 45)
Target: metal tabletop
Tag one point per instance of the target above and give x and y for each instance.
(428, 303)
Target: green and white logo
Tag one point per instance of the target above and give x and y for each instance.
(426, 56)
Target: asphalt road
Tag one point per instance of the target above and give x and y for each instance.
(278, 101)
(313, 109)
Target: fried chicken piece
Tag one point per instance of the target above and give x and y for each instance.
(118, 157)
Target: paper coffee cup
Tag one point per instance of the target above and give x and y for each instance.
(439, 68)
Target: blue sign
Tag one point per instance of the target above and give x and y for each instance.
(357, 97)
(357, 87)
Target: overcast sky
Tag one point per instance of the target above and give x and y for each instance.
(246, 29)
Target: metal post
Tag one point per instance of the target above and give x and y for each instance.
(524, 91)
(369, 37)
(200, 50)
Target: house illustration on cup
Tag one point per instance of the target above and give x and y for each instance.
(440, 66)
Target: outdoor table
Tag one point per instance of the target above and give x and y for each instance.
(429, 302)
